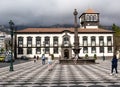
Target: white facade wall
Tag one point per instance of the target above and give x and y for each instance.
(60, 36)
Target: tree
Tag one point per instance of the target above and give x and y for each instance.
(116, 37)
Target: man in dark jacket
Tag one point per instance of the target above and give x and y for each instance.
(114, 64)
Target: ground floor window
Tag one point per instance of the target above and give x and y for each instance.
(29, 50)
(47, 50)
(38, 50)
(101, 49)
(93, 49)
(85, 49)
(55, 50)
(109, 49)
(20, 50)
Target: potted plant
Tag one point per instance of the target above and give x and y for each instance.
(95, 56)
(86, 56)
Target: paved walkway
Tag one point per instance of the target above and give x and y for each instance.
(32, 74)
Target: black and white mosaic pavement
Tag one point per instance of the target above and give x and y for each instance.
(32, 74)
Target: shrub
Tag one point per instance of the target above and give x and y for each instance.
(95, 56)
(86, 56)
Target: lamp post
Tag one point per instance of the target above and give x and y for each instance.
(11, 32)
(103, 52)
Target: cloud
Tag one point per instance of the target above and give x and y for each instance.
(49, 12)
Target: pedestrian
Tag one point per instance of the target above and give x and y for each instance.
(43, 59)
(34, 58)
(114, 65)
(37, 57)
(50, 62)
(118, 55)
(75, 59)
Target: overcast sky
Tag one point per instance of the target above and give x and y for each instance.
(50, 12)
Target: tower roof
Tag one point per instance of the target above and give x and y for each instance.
(89, 11)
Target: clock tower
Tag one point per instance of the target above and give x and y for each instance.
(89, 19)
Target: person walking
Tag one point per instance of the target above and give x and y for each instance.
(114, 65)
(34, 58)
(50, 62)
(37, 57)
(43, 59)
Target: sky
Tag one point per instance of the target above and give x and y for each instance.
(50, 12)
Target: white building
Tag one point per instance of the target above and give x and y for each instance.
(60, 41)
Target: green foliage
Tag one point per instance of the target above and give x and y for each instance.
(116, 29)
(95, 56)
(86, 56)
(2, 50)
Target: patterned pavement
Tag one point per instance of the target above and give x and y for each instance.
(32, 74)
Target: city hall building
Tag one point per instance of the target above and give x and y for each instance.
(60, 41)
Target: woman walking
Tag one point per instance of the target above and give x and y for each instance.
(50, 62)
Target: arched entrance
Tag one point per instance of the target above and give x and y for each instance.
(66, 54)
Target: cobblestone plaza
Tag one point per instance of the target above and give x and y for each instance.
(32, 74)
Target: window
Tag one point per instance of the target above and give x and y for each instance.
(66, 41)
(101, 49)
(29, 50)
(38, 41)
(101, 41)
(85, 49)
(109, 41)
(55, 40)
(47, 50)
(47, 40)
(20, 41)
(20, 50)
(93, 41)
(93, 49)
(38, 50)
(55, 50)
(85, 41)
(110, 49)
(29, 41)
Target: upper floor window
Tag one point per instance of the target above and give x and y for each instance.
(29, 41)
(55, 40)
(109, 40)
(20, 41)
(47, 40)
(93, 41)
(85, 41)
(66, 40)
(101, 41)
(38, 41)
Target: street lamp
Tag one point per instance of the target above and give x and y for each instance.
(103, 52)
(11, 32)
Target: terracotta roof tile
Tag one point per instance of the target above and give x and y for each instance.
(89, 11)
(60, 30)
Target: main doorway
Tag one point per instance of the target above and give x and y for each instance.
(66, 54)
